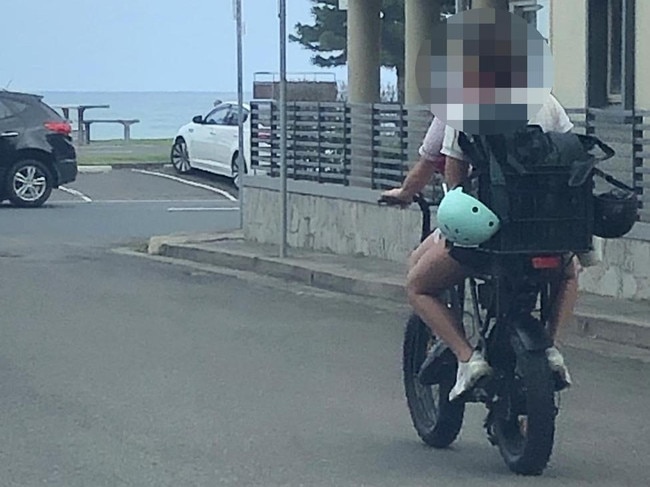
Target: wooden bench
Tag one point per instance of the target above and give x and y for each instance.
(125, 123)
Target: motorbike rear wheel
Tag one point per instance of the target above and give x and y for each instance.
(524, 429)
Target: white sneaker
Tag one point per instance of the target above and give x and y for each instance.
(556, 361)
(469, 373)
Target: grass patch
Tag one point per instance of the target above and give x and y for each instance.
(112, 159)
(132, 142)
(119, 151)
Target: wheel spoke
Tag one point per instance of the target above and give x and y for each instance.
(21, 190)
(31, 172)
(39, 181)
(180, 157)
(20, 177)
(523, 426)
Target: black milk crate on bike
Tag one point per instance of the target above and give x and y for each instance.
(546, 214)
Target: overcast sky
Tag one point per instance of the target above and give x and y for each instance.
(142, 45)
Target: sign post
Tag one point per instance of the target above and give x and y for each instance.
(241, 165)
(283, 123)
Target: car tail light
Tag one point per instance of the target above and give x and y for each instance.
(547, 262)
(59, 127)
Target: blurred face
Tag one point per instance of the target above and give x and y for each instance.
(485, 71)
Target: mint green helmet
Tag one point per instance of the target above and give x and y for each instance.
(466, 221)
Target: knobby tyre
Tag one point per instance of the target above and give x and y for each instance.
(436, 420)
(525, 431)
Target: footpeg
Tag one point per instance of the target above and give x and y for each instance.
(440, 363)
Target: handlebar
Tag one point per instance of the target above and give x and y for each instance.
(424, 204)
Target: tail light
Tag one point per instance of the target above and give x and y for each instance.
(59, 127)
(547, 262)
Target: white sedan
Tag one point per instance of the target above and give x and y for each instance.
(210, 143)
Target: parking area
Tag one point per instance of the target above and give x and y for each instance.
(115, 206)
(129, 185)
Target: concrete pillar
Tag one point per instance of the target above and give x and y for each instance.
(642, 81)
(642, 41)
(420, 17)
(364, 62)
(364, 50)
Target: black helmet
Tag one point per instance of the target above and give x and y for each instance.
(615, 213)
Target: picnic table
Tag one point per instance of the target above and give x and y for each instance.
(126, 124)
(80, 117)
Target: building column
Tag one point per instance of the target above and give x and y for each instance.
(420, 18)
(364, 50)
(641, 93)
(642, 58)
(364, 63)
(569, 48)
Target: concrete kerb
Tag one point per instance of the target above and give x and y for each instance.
(616, 329)
(274, 267)
(158, 244)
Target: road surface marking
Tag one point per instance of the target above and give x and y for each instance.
(74, 192)
(204, 209)
(223, 193)
(94, 169)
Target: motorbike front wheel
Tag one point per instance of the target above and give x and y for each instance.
(436, 420)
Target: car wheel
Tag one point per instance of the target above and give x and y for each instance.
(29, 183)
(181, 157)
(236, 176)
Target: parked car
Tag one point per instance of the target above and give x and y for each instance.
(36, 150)
(211, 142)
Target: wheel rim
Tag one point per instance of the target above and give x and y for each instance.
(513, 428)
(180, 157)
(236, 175)
(428, 396)
(30, 183)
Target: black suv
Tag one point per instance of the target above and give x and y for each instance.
(36, 150)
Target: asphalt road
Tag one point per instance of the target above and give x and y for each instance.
(122, 205)
(118, 370)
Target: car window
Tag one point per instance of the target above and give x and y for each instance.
(51, 112)
(15, 107)
(234, 115)
(5, 111)
(217, 116)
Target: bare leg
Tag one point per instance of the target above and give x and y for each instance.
(567, 296)
(425, 246)
(432, 273)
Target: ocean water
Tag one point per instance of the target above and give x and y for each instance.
(161, 114)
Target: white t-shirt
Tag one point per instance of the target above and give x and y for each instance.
(432, 143)
(551, 117)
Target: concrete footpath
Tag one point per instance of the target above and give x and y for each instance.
(613, 320)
